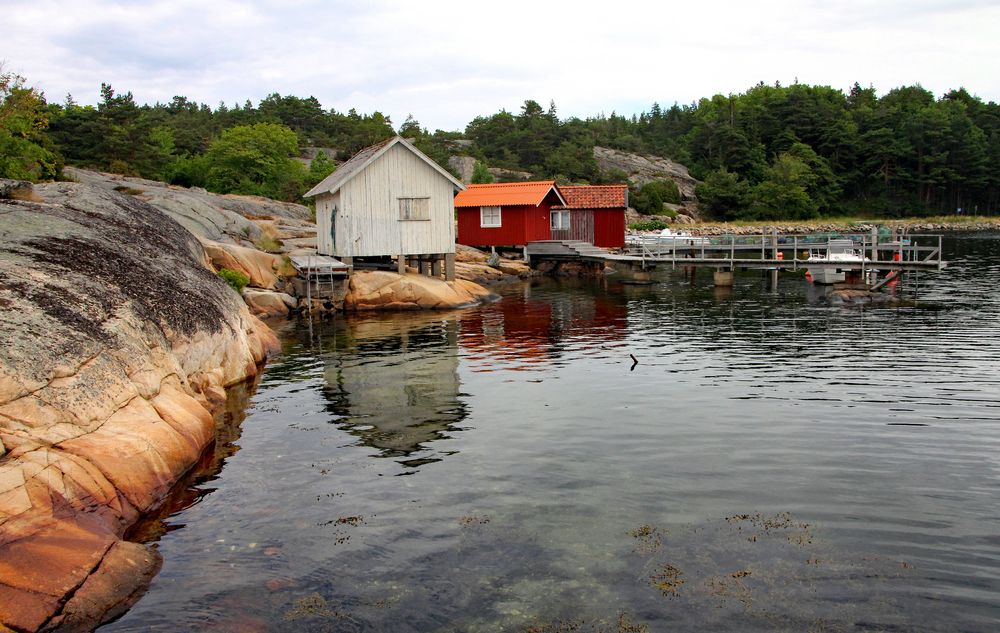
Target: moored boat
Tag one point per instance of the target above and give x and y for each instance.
(836, 251)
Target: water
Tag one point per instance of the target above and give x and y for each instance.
(772, 462)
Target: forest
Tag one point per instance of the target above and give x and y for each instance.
(771, 152)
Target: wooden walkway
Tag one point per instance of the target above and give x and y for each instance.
(768, 251)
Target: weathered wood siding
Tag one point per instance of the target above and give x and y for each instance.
(367, 218)
(325, 204)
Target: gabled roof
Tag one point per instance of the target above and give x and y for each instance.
(507, 194)
(366, 157)
(595, 196)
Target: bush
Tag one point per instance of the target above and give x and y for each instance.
(237, 280)
(648, 225)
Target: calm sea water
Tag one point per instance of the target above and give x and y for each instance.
(772, 462)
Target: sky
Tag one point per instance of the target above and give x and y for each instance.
(446, 62)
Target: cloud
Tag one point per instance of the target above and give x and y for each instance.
(447, 61)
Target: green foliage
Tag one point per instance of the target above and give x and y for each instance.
(481, 174)
(724, 195)
(784, 194)
(237, 280)
(256, 160)
(319, 168)
(648, 225)
(650, 198)
(904, 152)
(25, 152)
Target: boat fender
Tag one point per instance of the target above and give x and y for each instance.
(809, 276)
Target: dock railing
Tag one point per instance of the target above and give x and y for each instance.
(789, 251)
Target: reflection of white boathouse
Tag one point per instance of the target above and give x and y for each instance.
(405, 396)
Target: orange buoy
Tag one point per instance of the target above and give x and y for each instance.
(781, 256)
(895, 257)
(809, 276)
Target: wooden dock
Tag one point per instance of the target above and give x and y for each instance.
(772, 251)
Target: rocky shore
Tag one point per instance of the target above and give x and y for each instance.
(116, 345)
(117, 342)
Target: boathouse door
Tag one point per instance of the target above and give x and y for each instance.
(576, 224)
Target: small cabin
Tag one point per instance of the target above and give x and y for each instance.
(506, 214)
(388, 201)
(592, 213)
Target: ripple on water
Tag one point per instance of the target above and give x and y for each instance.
(771, 462)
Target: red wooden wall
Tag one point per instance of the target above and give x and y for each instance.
(518, 226)
(609, 228)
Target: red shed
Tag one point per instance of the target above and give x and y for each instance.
(592, 213)
(506, 214)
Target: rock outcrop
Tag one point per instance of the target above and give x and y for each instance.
(645, 169)
(268, 303)
(116, 344)
(213, 217)
(381, 290)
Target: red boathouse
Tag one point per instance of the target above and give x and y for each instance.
(507, 214)
(592, 213)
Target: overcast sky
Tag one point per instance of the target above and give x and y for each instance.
(447, 61)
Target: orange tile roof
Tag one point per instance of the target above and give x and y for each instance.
(594, 196)
(505, 194)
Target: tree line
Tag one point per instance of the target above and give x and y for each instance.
(772, 152)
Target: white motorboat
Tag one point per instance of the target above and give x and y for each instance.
(666, 240)
(835, 251)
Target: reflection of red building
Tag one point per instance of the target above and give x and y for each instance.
(527, 332)
(506, 214)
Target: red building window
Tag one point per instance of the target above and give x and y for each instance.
(489, 217)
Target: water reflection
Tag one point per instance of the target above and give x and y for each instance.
(391, 381)
(535, 326)
(395, 385)
(772, 463)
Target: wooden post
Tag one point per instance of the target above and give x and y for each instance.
(309, 284)
(425, 267)
(401, 264)
(449, 266)
(436, 266)
(723, 277)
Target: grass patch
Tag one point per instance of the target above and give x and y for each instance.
(236, 280)
(268, 240)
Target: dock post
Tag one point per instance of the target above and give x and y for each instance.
(436, 266)
(425, 267)
(449, 266)
(723, 277)
(527, 257)
(401, 264)
(309, 285)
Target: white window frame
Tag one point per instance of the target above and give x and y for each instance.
(487, 222)
(417, 209)
(563, 223)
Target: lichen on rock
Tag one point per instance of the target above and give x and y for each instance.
(115, 343)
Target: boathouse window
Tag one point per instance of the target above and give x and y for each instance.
(414, 209)
(560, 220)
(489, 217)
